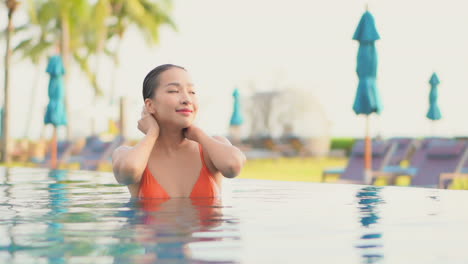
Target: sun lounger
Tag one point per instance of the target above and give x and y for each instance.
(418, 158)
(93, 162)
(440, 159)
(354, 171)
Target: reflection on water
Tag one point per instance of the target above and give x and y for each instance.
(371, 241)
(60, 219)
(58, 198)
(164, 227)
(82, 217)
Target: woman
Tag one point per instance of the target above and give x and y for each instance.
(175, 158)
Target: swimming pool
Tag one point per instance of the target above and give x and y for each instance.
(85, 217)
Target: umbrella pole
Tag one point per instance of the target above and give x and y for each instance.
(367, 154)
(53, 156)
(432, 128)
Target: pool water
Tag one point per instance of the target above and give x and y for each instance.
(85, 217)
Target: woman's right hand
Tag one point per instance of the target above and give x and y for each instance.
(148, 124)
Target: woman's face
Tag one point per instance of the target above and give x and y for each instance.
(175, 101)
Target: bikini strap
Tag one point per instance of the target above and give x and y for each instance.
(200, 150)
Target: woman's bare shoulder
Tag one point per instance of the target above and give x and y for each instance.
(119, 151)
(222, 139)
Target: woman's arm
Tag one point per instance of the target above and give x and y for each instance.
(225, 157)
(128, 163)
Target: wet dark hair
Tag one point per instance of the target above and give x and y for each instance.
(151, 81)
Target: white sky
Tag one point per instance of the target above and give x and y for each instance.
(305, 43)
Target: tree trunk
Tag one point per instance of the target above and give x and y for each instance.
(113, 96)
(6, 105)
(123, 117)
(96, 98)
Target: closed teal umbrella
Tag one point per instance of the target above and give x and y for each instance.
(236, 119)
(55, 114)
(434, 110)
(367, 100)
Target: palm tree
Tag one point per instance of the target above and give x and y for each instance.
(148, 16)
(11, 5)
(35, 49)
(83, 30)
(63, 23)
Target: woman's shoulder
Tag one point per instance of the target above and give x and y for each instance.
(119, 151)
(222, 139)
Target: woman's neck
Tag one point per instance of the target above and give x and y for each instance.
(170, 140)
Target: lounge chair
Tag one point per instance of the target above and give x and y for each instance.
(94, 151)
(402, 151)
(261, 147)
(460, 173)
(417, 160)
(354, 172)
(63, 147)
(291, 145)
(440, 159)
(106, 154)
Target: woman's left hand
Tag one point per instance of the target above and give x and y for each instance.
(193, 133)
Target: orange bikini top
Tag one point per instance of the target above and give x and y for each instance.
(205, 186)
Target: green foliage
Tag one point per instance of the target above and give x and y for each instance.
(343, 143)
(147, 15)
(90, 26)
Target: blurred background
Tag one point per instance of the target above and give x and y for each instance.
(266, 71)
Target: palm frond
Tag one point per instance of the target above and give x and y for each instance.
(83, 63)
(16, 29)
